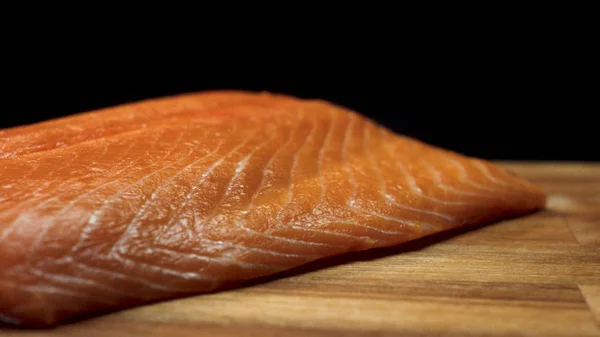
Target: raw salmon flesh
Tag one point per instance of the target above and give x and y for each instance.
(182, 195)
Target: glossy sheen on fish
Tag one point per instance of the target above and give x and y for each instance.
(182, 195)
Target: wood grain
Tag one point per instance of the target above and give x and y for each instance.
(533, 276)
(592, 296)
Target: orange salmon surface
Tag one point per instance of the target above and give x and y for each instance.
(183, 195)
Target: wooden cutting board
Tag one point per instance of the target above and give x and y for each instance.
(533, 276)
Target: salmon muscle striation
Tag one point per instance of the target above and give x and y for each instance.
(183, 195)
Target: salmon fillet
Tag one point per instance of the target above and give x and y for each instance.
(183, 195)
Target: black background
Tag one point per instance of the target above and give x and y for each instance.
(521, 96)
